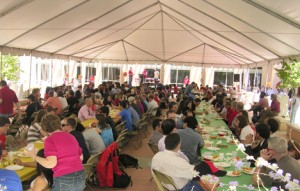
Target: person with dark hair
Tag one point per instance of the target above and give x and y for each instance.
(274, 126)
(63, 101)
(108, 101)
(46, 95)
(33, 106)
(62, 154)
(157, 132)
(262, 135)
(79, 97)
(53, 102)
(7, 100)
(105, 111)
(69, 125)
(196, 102)
(169, 163)
(72, 102)
(173, 106)
(293, 149)
(168, 127)
(44, 179)
(9, 178)
(191, 142)
(261, 105)
(243, 127)
(35, 131)
(125, 115)
(152, 104)
(106, 131)
(86, 111)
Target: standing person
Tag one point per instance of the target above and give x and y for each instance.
(64, 159)
(186, 81)
(130, 74)
(295, 114)
(7, 100)
(156, 76)
(145, 74)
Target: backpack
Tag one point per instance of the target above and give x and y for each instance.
(128, 161)
(122, 180)
(108, 171)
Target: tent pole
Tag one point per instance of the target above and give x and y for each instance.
(30, 72)
(51, 70)
(1, 64)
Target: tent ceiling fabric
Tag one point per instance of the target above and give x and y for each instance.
(228, 32)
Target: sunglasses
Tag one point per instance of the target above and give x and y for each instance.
(64, 125)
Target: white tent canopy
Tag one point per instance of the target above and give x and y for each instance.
(208, 32)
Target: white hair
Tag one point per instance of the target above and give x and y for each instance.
(278, 144)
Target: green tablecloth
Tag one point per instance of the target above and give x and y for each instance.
(244, 179)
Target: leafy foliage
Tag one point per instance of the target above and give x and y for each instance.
(289, 73)
(10, 67)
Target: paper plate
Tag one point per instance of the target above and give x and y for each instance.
(248, 170)
(213, 158)
(222, 164)
(14, 167)
(230, 173)
(22, 155)
(213, 148)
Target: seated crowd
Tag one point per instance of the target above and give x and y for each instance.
(60, 114)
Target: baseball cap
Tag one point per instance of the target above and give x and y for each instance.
(207, 167)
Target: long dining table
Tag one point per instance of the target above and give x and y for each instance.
(218, 139)
(26, 172)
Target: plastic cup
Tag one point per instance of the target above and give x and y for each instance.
(10, 156)
(234, 154)
(221, 156)
(30, 147)
(247, 164)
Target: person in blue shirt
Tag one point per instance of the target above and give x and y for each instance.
(125, 115)
(9, 180)
(106, 131)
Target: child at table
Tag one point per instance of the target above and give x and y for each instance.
(44, 180)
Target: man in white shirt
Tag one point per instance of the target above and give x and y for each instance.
(152, 104)
(170, 163)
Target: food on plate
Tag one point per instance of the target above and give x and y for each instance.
(213, 137)
(232, 142)
(247, 169)
(215, 157)
(236, 173)
(222, 146)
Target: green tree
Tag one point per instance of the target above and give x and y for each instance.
(10, 68)
(289, 73)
